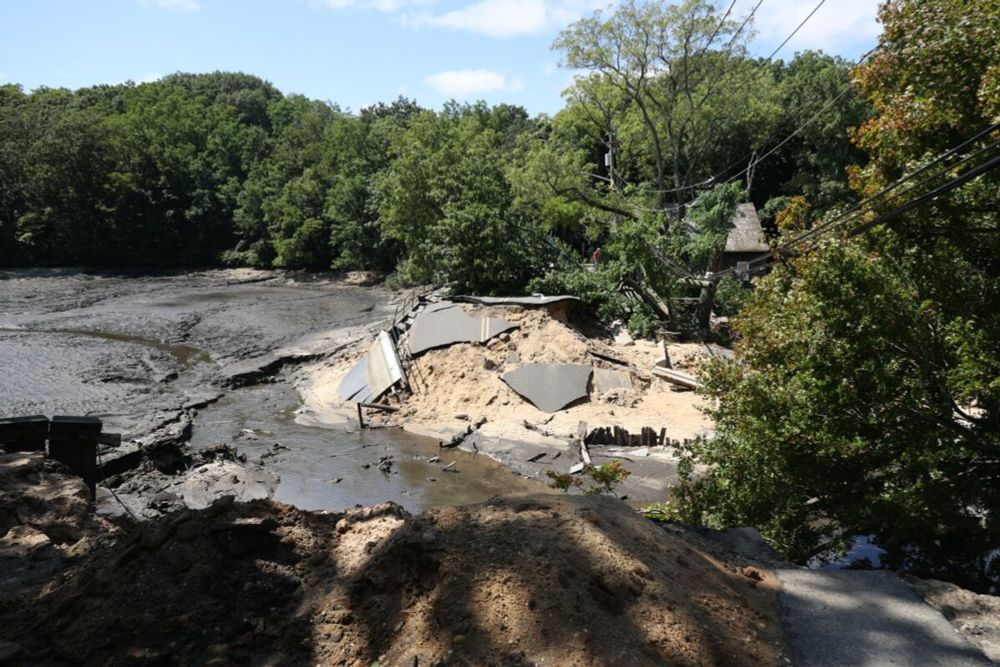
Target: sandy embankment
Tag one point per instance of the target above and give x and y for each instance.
(458, 390)
(515, 581)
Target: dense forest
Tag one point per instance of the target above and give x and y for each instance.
(222, 168)
(865, 396)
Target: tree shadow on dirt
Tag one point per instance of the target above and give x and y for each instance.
(212, 587)
(570, 581)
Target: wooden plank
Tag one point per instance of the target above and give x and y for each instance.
(379, 406)
(676, 377)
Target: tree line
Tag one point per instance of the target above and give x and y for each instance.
(224, 169)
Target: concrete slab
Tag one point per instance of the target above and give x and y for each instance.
(865, 619)
(445, 323)
(606, 379)
(374, 373)
(550, 387)
(526, 301)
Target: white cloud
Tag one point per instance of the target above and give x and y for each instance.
(383, 6)
(465, 82)
(511, 18)
(834, 25)
(182, 5)
(150, 77)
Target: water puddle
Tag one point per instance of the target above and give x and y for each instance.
(187, 356)
(333, 469)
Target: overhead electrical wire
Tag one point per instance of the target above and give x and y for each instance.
(794, 32)
(716, 177)
(868, 201)
(856, 213)
(715, 34)
(843, 91)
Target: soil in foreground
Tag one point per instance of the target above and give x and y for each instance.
(515, 581)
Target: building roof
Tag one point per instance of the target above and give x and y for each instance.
(746, 234)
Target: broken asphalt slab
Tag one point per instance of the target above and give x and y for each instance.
(865, 619)
(550, 387)
(445, 323)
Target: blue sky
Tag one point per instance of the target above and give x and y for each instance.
(356, 52)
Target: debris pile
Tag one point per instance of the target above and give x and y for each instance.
(528, 580)
(519, 392)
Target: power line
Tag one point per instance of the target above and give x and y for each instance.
(712, 179)
(715, 34)
(937, 192)
(799, 27)
(868, 202)
(827, 105)
(956, 182)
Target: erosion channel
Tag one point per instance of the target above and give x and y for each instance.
(194, 370)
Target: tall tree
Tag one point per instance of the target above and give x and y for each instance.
(864, 398)
(668, 60)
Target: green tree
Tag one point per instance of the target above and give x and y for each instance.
(448, 200)
(864, 397)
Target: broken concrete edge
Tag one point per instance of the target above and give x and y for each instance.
(445, 323)
(377, 371)
(550, 387)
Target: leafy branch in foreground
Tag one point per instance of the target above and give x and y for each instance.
(605, 477)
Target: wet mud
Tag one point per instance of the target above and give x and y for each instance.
(180, 364)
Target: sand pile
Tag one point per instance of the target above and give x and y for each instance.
(530, 580)
(462, 383)
(458, 391)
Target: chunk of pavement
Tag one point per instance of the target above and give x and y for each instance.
(867, 619)
(640, 453)
(374, 373)
(445, 323)
(606, 379)
(550, 387)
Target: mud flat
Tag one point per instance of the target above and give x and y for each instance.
(180, 364)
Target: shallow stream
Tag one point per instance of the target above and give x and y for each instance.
(335, 468)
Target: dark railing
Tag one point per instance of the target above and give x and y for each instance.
(70, 440)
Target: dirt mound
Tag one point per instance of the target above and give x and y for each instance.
(46, 520)
(518, 581)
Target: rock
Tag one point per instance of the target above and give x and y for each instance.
(24, 542)
(489, 364)
(640, 453)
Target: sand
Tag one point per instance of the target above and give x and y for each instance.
(458, 390)
(546, 580)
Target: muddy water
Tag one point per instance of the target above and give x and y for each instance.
(134, 350)
(321, 468)
(187, 356)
